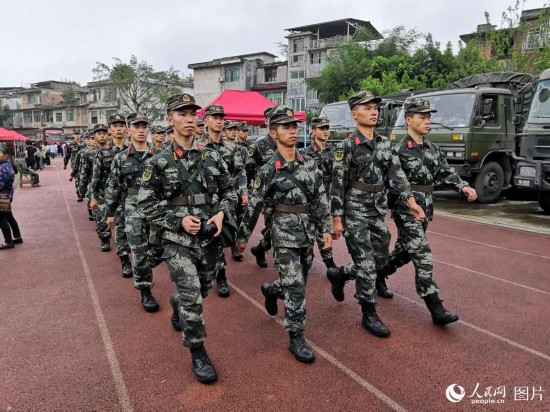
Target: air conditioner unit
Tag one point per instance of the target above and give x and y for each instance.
(222, 78)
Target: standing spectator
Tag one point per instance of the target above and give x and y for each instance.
(31, 155)
(7, 221)
(46, 155)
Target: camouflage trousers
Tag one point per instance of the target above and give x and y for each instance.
(121, 240)
(138, 240)
(293, 265)
(102, 228)
(368, 242)
(411, 244)
(191, 270)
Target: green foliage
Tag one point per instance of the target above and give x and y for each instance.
(6, 116)
(139, 86)
(68, 94)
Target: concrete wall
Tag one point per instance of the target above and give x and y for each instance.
(207, 85)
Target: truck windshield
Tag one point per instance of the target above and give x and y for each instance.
(540, 108)
(338, 114)
(453, 110)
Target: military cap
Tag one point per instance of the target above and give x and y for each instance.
(200, 121)
(116, 118)
(267, 110)
(76, 131)
(169, 130)
(98, 127)
(320, 122)
(282, 115)
(417, 105)
(230, 124)
(181, 101)
(136, 117)
(214, 109)
(158, 129)
(363, 97)
(243, 126)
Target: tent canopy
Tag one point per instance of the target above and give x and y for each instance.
(10, 136)
(245, 106)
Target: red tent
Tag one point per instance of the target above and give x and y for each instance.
(10, 135)
(245, 106)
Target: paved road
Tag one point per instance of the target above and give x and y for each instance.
(73, 336)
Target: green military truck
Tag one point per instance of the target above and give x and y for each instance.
(475, 126)
(532, 169)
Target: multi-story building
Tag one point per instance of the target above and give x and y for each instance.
(308, 50)
(227, 73)
(271, 80)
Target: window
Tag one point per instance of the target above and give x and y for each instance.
(34, 98)
(28, 117)
(298, 45)
(49, 117)
(232, 73)
(297, 74)
(110, 95)
(58, 117)
(298, 58)
(315, 58)
(93, 115)
(70, 115)
(95, 95)
(270, 74)
(298, 105)
(275, 97)
(312, 94)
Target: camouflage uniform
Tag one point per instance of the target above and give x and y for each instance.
(85, 165)
(174, 187)
(293, 229)
(122, 189)
(75, 149)
(324, 159)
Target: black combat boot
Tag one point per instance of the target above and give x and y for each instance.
(91, 216)
(270, 299)
(105, 245)
(329, 263)
(126, 266)
(298, 347)
(372, 322)
(202, 365)
(440, 315)
(381, 287)
(80, 198)
(237, 257)
(175, 319)
(338, 280)
(222, 289)
(259, 253)
(148, 301)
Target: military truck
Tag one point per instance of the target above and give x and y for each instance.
(475, 126)
(532, 170)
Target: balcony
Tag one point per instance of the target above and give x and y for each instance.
(328, 43)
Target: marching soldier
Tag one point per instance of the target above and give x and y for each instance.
(362, 164)
(123, 186)
(323, 154)
(294, 187)
(73, 150)
(100, 177)
(194, 185)
(82, 159)
(261, 151)
(425, 168)
(158, 137)
(242, 135)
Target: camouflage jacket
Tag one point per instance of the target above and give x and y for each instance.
(76, 149)
(371, 162)
(423, 165)
(102, 169)
(126, 170)
(279, 182)
(324, 159)
(261, 152)
(177, 173)
(232, 156)
(86, 165)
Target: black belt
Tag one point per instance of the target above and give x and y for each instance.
(132, 191)
(365, 187)
(281, 207)
(191, 200)
(422, 188)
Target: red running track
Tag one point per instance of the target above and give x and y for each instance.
(74, 337)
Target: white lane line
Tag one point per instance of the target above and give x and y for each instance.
(122, 391)
(488, 333)
(489, 245)
(331, 359)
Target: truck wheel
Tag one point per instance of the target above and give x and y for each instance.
(544, 202)
(489, 183)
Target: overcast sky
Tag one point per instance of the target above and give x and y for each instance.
(62, 39)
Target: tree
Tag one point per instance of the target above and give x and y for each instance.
(68, 94)
(6, 116)
(140, 87)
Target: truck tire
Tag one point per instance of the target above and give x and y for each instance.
(489, 183)
(544, 202)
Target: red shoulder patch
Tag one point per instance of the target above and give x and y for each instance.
(179, 151)
(199, 147)
(357, 140)
(410, 144)
(278, 164)
(206, 142)
(302, 158)
(315, 149)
